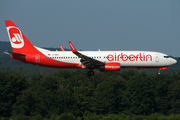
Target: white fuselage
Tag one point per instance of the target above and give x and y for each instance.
(136, 59)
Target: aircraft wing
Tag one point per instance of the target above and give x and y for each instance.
(86, 60)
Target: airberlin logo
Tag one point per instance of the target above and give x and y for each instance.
(131, 57)
(16, 37)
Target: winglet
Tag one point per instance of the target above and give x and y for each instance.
(62, 49)
(72, 47)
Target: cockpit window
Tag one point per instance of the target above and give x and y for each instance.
(168, 56)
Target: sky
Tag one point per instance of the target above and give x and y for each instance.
(148, 25)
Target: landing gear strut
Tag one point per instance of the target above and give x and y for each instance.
(163, 68)
(90, 73)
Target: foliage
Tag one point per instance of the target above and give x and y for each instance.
(75, 95)
(11, 84)
(139, 97)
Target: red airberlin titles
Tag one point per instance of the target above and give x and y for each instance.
(24, 51)
(131, 57)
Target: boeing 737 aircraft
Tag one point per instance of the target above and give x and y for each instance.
(24, 51)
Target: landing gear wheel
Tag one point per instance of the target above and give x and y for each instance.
(90, 73)
(159, 72)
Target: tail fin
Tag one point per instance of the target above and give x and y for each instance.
(19, 43)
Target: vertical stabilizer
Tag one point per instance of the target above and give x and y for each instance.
(19, 42)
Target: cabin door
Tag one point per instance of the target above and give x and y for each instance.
(157, 58)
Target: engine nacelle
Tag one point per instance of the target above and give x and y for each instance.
(111, 67)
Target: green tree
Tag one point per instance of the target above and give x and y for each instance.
(174, 97)
(162, 83)
(11, 84)
(45, 96)
(108, 95)
(138, 98)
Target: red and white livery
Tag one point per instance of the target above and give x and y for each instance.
(24, 51)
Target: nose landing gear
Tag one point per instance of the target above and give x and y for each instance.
(163, 68)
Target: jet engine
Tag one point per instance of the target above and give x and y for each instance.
(111, 67)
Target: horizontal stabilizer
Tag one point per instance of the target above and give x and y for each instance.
(14, 53)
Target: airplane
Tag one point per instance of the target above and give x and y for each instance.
(105, 61)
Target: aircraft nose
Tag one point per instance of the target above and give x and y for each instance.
(173, 61)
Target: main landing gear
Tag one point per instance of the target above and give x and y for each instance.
(90, 73)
